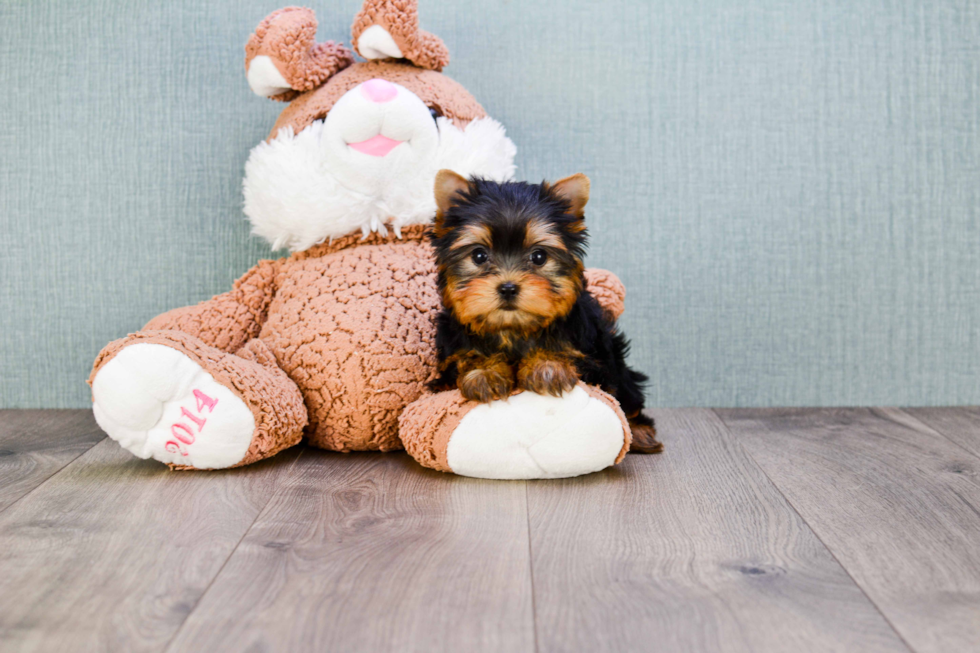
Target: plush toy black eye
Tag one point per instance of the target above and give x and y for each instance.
(435, 112)
(538, 257)
(479, 256)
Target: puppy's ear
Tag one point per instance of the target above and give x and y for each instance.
(448, 184)
(575, 191)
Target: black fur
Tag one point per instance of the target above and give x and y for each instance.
(506, 209)
(585, 328)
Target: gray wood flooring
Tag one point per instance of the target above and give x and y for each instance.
(757, 530)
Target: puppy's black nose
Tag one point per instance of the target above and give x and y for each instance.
(508, 290)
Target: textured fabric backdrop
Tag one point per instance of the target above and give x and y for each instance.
(789, 190)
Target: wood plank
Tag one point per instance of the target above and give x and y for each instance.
(34, 444)
(690, 550)
(371, 552)
(897, 504)
(113, 552)
(960, 424)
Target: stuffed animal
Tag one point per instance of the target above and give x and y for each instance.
(335, 343)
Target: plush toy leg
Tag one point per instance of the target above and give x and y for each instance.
(526, 436)
(168, 396)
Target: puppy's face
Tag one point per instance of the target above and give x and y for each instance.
(509, 255)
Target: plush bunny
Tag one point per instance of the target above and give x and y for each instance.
(336, 342)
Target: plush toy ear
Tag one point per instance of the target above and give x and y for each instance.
(448, 184)
(282, 59)
(390, 29)
(575, 190)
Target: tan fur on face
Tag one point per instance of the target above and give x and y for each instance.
(474, 302)
(473, 234)
(568, 292)
(542, 233)
(477, 303)
(536, 298)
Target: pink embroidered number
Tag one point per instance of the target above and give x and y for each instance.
(182, 432)
(187, 437)
(204, 400)
(194, 418)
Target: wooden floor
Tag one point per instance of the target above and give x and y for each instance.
(757, 530)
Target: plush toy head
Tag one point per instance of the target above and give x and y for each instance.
(359, 145)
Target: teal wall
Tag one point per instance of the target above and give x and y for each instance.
(790, 190)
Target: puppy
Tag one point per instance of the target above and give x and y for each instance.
(516, 312)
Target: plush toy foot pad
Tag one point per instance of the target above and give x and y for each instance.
(535, 436)
(158, 403)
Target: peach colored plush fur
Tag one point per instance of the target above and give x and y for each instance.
(346, 329)
(427, 424)
(434, 89)
(274, 400)
(401, 20)
(287, 37)
(335, 341)
(608, 290)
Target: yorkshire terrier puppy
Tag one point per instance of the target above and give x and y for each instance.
(516, 312)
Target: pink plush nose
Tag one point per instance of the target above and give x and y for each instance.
(379, 90)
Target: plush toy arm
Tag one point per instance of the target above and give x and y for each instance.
(229, 320)
(608, 290)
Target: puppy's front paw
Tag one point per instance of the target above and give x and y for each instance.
(547, 375)
(485, 384)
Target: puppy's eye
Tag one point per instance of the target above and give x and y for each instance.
(538, 257)
(479, 256)
(435, 112)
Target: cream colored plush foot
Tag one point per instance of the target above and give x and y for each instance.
(535, 436)
(158, 403)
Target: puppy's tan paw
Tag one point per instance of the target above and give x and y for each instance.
(547, 375)
(486, 384)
